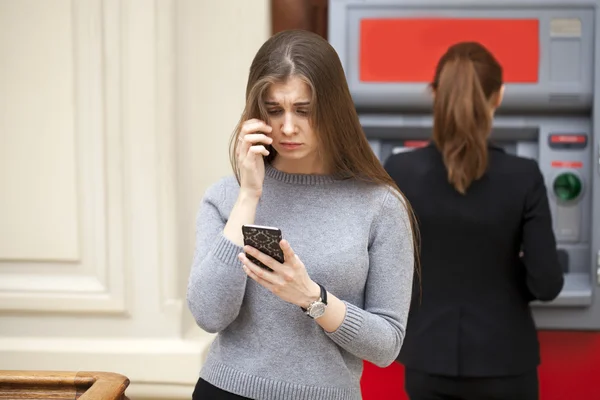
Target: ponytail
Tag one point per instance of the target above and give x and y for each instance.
(461, 122)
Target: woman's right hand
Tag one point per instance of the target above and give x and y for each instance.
(250, 153)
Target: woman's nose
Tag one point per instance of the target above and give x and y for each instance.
(288, 124)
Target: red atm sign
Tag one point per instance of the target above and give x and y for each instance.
(568, 138)
(406, 50)
(567, 141)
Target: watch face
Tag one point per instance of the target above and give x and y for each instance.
(317, 310)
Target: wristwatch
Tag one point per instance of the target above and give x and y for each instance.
(317, 308)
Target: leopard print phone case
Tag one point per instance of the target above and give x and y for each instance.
(266, 240)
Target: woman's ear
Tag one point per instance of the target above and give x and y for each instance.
(431, 91)
(499, 97)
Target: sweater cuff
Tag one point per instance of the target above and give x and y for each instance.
(226, 251)
(349, 328)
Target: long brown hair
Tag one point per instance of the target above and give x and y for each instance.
(466, 79)
(342, 141)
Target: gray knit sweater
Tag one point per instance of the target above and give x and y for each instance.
(354, 238)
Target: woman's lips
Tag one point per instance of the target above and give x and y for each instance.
(291, 146)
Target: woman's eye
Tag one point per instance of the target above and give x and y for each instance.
(275, 112)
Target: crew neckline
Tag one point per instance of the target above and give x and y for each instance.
(300, 179)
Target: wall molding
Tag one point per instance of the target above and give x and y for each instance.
(166, 126)
(95, 282)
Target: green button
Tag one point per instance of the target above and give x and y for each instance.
(567, 186)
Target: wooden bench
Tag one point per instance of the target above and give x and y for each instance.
(58, 385)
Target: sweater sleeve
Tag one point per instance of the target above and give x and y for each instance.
(376, 332)
(217, 282)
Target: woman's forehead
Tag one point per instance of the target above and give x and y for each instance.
(293, 90)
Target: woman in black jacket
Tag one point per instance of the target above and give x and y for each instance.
(487, 245)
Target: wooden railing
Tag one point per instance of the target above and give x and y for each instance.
(30, 385)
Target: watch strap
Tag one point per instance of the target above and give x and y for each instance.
(323, 294)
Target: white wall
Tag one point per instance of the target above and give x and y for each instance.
(115, 116)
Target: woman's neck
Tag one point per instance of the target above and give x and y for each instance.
(306, 167)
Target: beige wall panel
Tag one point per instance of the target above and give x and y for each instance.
(38, 185)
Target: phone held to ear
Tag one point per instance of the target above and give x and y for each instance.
(266, 240)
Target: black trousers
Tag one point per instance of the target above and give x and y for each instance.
(206, 391)
(423, 386)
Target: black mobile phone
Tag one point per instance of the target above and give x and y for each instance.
(266, 240)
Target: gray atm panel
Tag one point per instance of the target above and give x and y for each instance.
(566, 55)
(578, 306)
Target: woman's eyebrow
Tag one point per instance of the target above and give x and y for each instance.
(298, 103)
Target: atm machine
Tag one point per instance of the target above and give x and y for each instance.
(549, 50)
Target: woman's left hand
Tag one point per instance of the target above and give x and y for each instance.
(289, 281)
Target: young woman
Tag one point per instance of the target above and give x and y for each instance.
(471, 334)
(301, 164)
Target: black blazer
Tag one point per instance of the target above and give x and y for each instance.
(473, 318)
